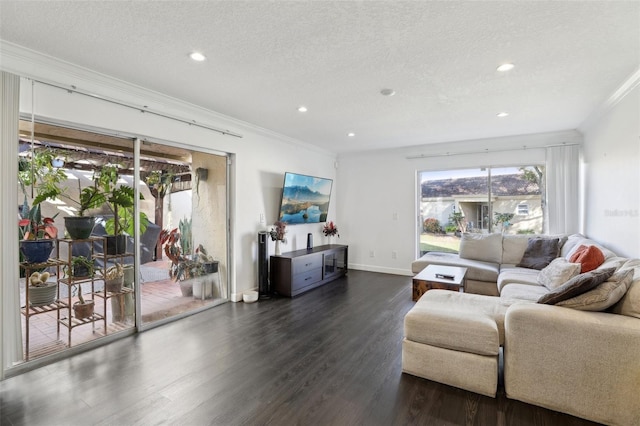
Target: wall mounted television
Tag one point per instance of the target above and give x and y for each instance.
(305, 199)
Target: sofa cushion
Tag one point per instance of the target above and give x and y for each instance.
(515, 275)
(482, 247)
(576, 240)
(459, 321)
(589, 257)
(577, 285)
(513, 247)
(523, 292)
(539, 253)
(476, 270)
(630, 303)
(603, 296)
(558, 272)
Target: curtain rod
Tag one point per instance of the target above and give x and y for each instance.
(74, 89)
(486, 151)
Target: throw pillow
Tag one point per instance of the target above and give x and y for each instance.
(603, 296)
(576, 286)
(558, 272)
(483, 247)
(539, 253)
(590, 257)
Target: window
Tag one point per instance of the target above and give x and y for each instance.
(523, 209)
(506, 199)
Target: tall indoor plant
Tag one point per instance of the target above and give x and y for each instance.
(120, 201)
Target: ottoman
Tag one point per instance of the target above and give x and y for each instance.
(455, 339)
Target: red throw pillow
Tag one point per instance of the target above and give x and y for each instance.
(590, 257)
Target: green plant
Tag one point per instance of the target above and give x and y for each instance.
(186, 236)
(503, 219)
(450, 228)
(90, 197)
(120, 200)
(202, 255)
(37, 171)
(458, 219)
(432, 225)
(80, 262)
(182, 266)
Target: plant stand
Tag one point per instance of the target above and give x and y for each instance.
(72, 321)
(57, 305)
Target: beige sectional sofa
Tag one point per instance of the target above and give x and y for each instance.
(583, 360)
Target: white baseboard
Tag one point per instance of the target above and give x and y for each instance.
(381, 269)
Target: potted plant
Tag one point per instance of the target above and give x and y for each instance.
(81, 267)
(183, 267)
(83, 308)
(114, 278)
(209, 265)
(37, 236)
(204, 284)
(120, 201)
(80, 227)
(41, 292)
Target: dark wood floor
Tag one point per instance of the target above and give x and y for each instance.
(329, 357)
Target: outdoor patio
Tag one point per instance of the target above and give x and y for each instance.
(161, 298)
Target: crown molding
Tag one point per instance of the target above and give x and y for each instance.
(37, 66)
(631, 83)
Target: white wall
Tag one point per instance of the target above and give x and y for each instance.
(378, 202)
(612, 175)
(260, 157)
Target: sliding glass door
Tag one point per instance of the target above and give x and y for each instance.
(67, 176)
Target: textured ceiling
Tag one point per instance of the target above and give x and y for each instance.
(265, 58)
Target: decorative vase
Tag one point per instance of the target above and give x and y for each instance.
(79, 227)
(36, 251)
(278, 248)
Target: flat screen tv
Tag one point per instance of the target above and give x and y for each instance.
(305, 199)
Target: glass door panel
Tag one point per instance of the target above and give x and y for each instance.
(188, 197)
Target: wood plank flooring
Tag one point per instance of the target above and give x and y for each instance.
(328, 357)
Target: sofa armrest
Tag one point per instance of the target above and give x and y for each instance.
(582, 363)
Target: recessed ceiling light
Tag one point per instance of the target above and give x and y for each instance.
(302, 108)
(387, 92)
(351, 134)
(505, 67)
(502, 114)
(197, 56)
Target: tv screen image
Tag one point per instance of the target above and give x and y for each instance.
(305, 199)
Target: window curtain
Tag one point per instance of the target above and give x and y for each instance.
(10, 329)
(563, 174)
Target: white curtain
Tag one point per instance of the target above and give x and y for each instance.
(10, 329)
(563, 174)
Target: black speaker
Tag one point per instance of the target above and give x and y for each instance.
(263, 265)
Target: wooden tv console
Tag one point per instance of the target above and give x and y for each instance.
(298, 271)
